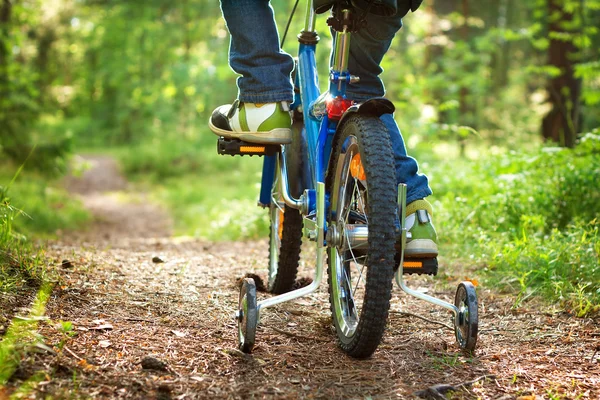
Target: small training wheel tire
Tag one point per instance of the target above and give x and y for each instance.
(247, 315)
(466, 323)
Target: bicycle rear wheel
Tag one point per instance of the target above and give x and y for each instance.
(285, 241)
(361, 233)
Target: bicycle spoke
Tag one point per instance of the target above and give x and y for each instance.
(351, 303)
(362, 204)
(276, 196)
(358, 280)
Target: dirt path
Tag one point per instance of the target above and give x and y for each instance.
(135, 292)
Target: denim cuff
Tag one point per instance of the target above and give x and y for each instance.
(274, 97)
(417, 195)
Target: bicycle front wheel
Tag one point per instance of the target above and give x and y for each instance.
(361, 233)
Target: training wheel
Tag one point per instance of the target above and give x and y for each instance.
(247, 315)
(466, 323)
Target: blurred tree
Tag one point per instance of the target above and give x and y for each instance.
(113, 73)
(18, 95)
(25, 53)
(561, 124)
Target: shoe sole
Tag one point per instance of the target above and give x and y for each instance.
(421, 248)
(275, 136)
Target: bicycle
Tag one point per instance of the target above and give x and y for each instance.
(332, 185)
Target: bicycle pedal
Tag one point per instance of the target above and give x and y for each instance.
(420, 266)
(234, 147)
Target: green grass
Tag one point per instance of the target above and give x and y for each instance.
(209, 196)
(21, 335)
(23, 266)
(30, 207)
(41, 207)
(529, 220)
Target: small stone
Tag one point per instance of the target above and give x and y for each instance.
(157, 260)
(163, 387)
(163, 392)
(154, 363)
(66, 264)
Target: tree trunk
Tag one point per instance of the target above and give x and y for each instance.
(5, 112)
(464, 106)
(502, 56)
(5, 12)
(562, 122)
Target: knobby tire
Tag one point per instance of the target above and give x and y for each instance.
(381, 201)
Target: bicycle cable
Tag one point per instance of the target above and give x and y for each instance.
(287, 27)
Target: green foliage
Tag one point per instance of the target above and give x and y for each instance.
(48, 210)
(23, 88)
(93, 73)
(531, 218)
(562, 265)
(543, 190)
(22, 336)
(209, 196)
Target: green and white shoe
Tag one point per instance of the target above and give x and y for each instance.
(421, 240)
(268, 123)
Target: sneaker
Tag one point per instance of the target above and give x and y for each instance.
(421, 240)
(268, 123)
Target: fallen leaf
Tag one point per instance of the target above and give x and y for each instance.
(45, 347)
(179, 333)
(84, 364)
(104, 343)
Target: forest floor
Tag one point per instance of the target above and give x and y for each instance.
(132, 291)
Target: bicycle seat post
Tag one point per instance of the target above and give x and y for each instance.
(309, 22)
(342, 45)
(339, 74)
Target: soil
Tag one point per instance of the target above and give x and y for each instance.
(153, 318)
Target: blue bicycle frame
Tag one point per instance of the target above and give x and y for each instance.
(316, 134)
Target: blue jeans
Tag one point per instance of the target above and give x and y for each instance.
(265, 69)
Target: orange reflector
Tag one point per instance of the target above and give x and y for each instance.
(356, 168)
(280, 228)
(412, 264)
(250, 149)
